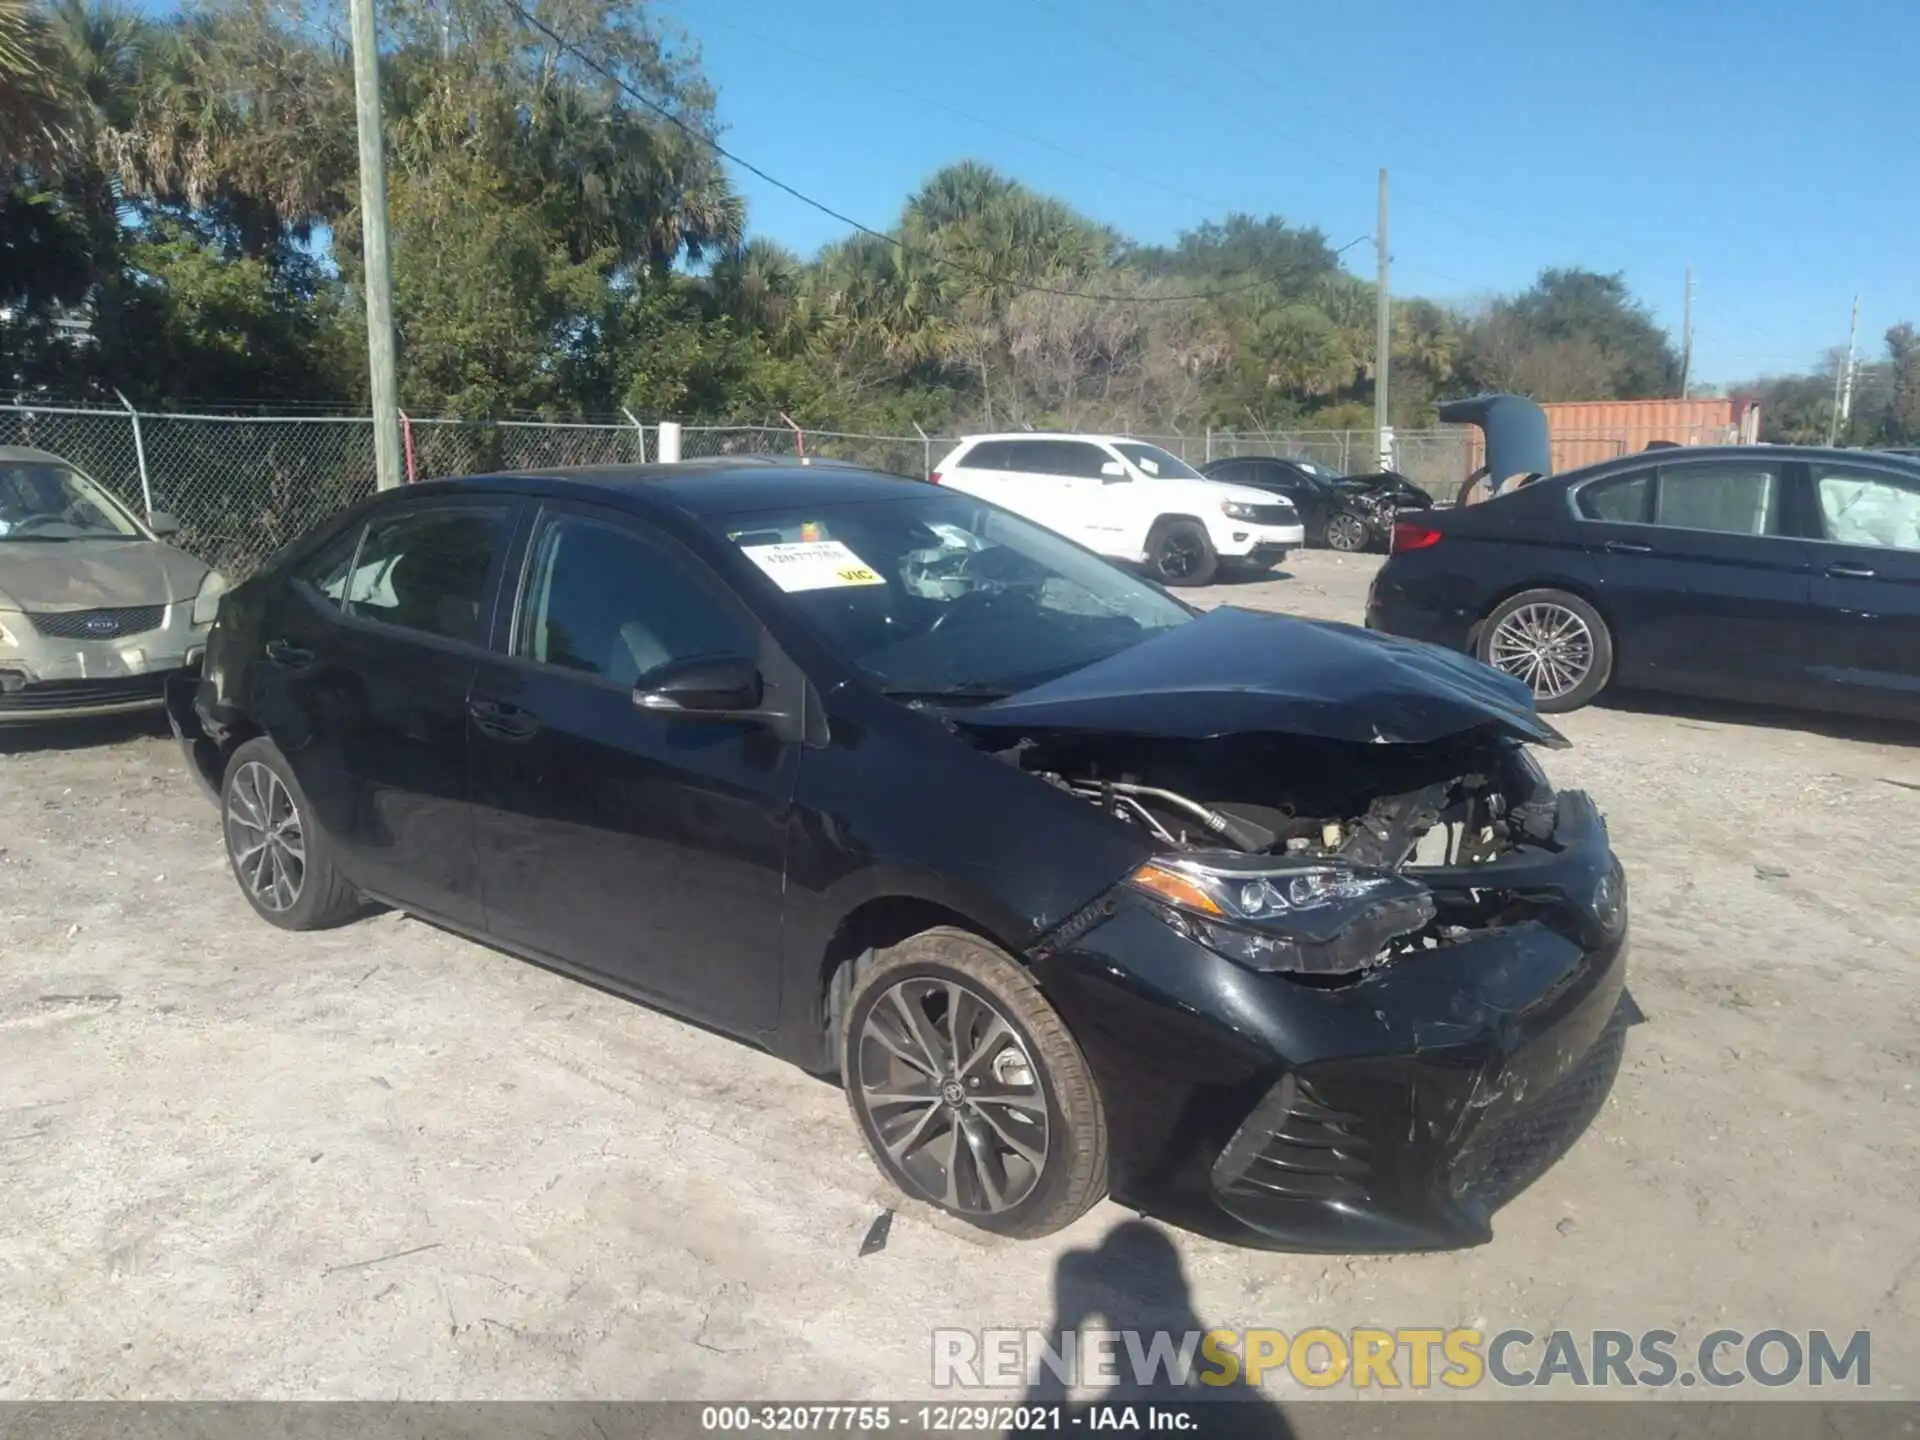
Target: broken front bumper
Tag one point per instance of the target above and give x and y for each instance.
(1397, 1112)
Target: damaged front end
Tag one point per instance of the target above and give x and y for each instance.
(1322, 859)
(1397, 965)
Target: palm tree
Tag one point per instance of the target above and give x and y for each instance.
(39, 110)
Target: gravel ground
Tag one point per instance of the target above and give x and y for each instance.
(385, 1162)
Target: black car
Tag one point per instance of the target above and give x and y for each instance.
(1767, 573)
(1272, 926)
(1338, 512)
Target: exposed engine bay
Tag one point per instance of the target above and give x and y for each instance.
(1457, 802)
(1319, 858)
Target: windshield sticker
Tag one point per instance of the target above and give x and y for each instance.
(812, 565)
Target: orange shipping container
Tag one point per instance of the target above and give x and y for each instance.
(1584, 432)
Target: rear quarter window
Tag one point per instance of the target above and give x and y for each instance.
(987, 455)
(1621, 500)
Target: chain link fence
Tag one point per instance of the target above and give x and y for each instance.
(439, 448)
(243, 486)
(240, 487)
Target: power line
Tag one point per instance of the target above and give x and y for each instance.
(534, 22)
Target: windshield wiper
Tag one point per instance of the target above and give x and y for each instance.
(39, 539)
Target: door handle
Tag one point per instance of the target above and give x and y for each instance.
(1627, 547)
(293, 657)
(1851, 572)
(504, 722)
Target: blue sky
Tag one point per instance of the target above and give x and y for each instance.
(1769, 144)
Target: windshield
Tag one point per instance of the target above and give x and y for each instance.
(939, 596)
(1155, 463)
(42, 501)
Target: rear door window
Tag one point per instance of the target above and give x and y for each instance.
(427, 569)
(989, 455)
(1074, 458)
(1737, 498)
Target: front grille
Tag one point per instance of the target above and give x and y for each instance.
(1296, 1147)
(100, 624)
(1518, 1148)
(80, 694)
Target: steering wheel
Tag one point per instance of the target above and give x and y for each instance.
(1017, 576)
(971, 600)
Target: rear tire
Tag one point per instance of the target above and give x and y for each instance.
(999, 1124)
(1348, 534)
(282, 860)
(1554, 643)
(1180, 552)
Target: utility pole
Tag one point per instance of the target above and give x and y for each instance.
(1383, 334)
(1686, 341)
(381, 367)
(1853, 343)
(1843, 379)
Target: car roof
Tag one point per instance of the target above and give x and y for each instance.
(27, 452)
(720, 485)
(1668, 455)
(1310, 464)
(1054, 435)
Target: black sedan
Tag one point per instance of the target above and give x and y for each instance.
(1767, 573)
(1271, 926)
(1338, 512)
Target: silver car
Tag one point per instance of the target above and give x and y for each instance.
(96, 610)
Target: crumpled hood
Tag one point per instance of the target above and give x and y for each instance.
(1233, 671)
(51, 576)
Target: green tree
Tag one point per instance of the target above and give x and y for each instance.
(1573, 335)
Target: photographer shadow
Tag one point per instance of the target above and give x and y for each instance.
(1133, 1281)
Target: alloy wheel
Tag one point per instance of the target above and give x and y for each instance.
(265, 837)
(1547, 646)
(952, 1095)
(1179, 556)
(1347, 532)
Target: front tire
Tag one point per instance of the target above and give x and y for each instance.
(1180, 552)
(1553, 642)
(281, 858)
(968, 1089)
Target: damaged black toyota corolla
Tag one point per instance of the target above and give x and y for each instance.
(1270, 927)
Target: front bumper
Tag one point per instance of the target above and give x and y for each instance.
(1241, 540)
(43, 678)
(1396, 1113)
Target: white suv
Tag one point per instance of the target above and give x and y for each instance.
(1128, 501)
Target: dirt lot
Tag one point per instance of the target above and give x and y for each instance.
(384, 1162)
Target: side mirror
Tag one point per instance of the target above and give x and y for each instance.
(163, 524)
(709, 687)
(1113, 470)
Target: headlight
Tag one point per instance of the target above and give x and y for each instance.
(6, 636)
(1304, 917)
(207, 603)
(1238, 510)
